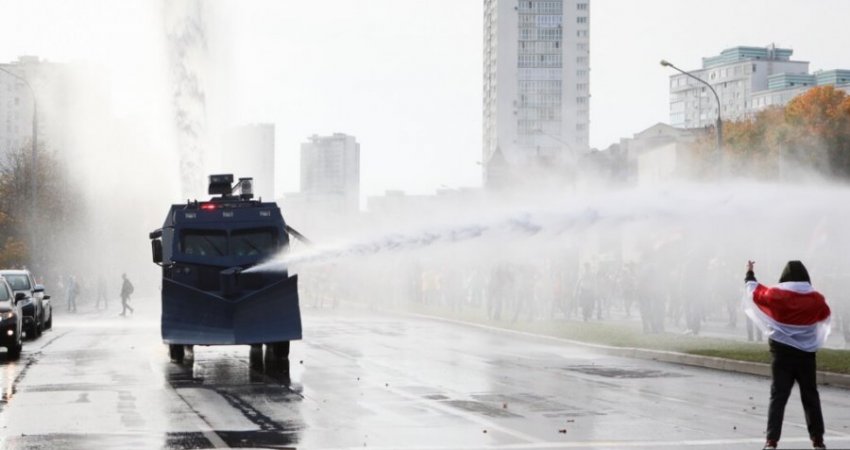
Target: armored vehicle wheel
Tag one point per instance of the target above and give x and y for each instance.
(255, 357)
(176, 352)
(282, 350)
(277, 351)
(189, 352)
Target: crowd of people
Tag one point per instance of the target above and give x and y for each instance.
(681, 295)
(72, 289)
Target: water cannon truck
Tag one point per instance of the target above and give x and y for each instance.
(208, 295)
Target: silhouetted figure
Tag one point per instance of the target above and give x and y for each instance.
(501, 281)
(126, 292)
(795, 318)
(585, 292)
(753, 332)
(101, 293)
(72, 289)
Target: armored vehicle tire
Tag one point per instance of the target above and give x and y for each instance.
(176, 352)
(255, 357)
(277, 351)
(14, 351)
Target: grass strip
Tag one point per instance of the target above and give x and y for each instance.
(631, 335)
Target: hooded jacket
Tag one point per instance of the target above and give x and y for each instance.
(791, 312)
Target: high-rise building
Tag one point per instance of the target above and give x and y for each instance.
(248, 151)
(735, 74)
(783, 87)
(330, 173)
(49, 82)
(536, 87)
(747, 80)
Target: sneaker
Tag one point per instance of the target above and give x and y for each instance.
(770, 444)
(817, 443)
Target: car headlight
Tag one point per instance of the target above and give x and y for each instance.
(7, 315)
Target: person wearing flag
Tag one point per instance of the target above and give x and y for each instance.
(796, 320)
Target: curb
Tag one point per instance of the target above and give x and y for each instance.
(709, 362)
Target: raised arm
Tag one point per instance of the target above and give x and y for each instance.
(751, 276)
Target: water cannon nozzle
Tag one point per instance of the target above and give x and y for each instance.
(220, 184)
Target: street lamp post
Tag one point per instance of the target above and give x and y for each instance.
(557, 139)
(719, 123)
(33, 184)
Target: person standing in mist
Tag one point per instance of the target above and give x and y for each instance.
(796, 320)
(101, 293)
(586, 292)
(126, 292)
(72, 289)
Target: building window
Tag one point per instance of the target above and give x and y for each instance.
(581, 6)
(581, 19)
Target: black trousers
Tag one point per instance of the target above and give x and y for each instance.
(790, 365)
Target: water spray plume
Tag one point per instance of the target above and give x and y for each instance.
(186, 35)
(696, 215)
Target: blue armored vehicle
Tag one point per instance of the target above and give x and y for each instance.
(208, 297)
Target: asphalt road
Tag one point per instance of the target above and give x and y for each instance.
(360, 380)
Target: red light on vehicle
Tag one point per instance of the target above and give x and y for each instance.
(207, 206)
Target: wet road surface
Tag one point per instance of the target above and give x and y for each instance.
(359, 380)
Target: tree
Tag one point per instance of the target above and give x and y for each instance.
(19, 222)
(751, 146)
(820, 124)
(12, 250)
(812, 131)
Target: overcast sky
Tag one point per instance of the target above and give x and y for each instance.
(404, 76)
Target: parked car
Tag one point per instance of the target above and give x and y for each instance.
(37, 312)
(11, 320)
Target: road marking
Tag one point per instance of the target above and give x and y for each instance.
(202, 425)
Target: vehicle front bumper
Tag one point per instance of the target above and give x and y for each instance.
(5, 338)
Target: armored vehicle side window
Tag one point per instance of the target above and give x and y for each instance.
(203, 242)
(254, 242)
(4, 293)
(18, 282)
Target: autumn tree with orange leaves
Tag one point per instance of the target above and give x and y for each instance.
(812, 132)
(820, 130)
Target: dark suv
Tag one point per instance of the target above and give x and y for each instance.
(11, 320)
(38, 314)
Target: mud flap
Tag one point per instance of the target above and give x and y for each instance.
(194, 317)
